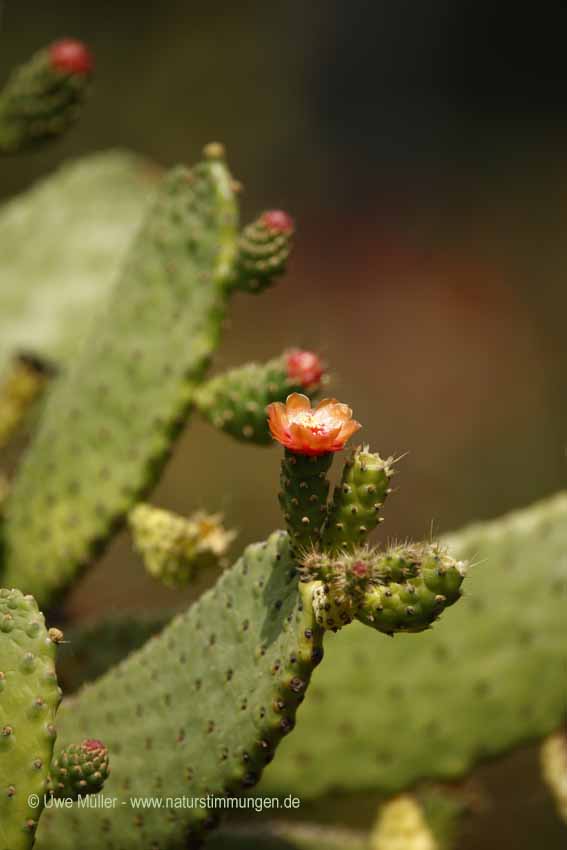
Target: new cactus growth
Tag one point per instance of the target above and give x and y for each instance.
(236, 402)
(29, 697)
(23, 385)
(79, 770)
(44, 96)
(263, 250)
(357, 500)
(174, 548)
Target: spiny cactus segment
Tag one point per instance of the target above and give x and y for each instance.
(236, 402)
(263, 250)
(79, 769)
(29, 698)
(174, 548)
(43, 97)
(23, 384)
(357, 500)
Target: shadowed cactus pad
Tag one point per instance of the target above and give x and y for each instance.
(200, 709)
(110, 422)
(461, 692)
(29, 697)
(174, 548)
(79, 769)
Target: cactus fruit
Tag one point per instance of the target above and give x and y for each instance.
(263, 250)
(199, 710)
(303, 496)
(22, 387)
(175, 549)
(463, 692)
(236, 402)
(331, 610)
(109, 423)
(79, 769)
(43, 98)
(357, 500)
(29, 697)
(553, 757)
(98, 203)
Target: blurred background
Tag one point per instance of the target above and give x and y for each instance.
(421, 149)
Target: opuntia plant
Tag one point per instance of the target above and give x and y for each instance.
(198, 707)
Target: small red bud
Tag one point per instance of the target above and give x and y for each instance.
(360, 569)
(71, 56)
(93, 744)
(304, 368)
(278, 221)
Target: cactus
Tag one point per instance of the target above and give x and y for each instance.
(357, 500)
(79, 769)
(175, 549)
(23, 386)
(205, 703)
(463, 693)
(129, 392)
(402, 826)
(29, 697)
(263, 251)
(553, 756)
(236, 402)
(43, 98)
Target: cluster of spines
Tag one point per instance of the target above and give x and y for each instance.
(263, 250)
(236, 401)
(357, 500)
(404, 589)
(43, 97)
(175, 548)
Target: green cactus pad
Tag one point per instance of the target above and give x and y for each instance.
(29, 697)
(82, 218)
(200, 709)
(109, 423)
(489, 677)
(236, 401)
(39, 102)
(175, 548)
(303, 496)
(357, 500)
(263, 251)
(79, 770)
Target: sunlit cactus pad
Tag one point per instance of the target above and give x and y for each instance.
(383, 714)
(200, 709)
(110, 421)
(62, 244)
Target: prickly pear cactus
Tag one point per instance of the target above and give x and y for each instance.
(462, 692)
(199, 710)
(109, 423)
(82, 217)
(29, 697)
(79, 769)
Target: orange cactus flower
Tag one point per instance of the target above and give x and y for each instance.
(315, 432)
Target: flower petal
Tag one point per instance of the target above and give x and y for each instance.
(297, 403)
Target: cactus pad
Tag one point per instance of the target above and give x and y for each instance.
(110, 422)
(486, 679)
(200, 709)
(303, 496)
(29, 697)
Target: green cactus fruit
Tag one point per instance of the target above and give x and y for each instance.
(23, 385)
(110, 421)
(357, 500)
(263, 250)
(43, 98)
(79, 769)
(199, 710)
(174, 548)
(303, 496)
(332, 610)
(82, 217)
(553, 757)
(462, 692)
(236, 401)
(415, 604)
(29, 697)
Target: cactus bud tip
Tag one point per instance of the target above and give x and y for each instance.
(71, 56)
(278, 221)
(304, 368)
